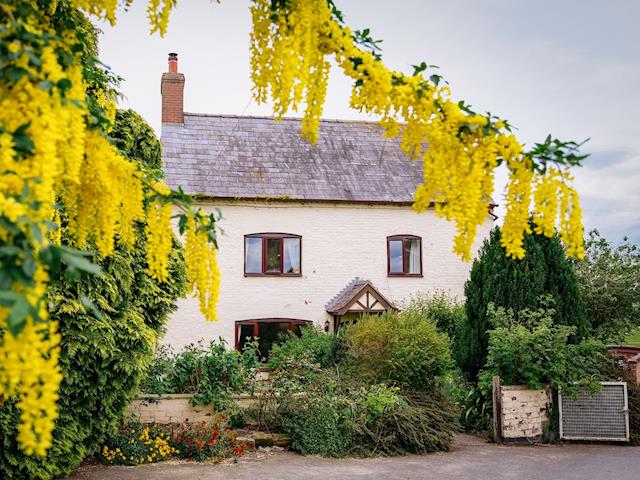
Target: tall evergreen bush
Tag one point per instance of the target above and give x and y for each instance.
(516, 284)
(104, 353)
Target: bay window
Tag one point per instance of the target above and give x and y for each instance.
(404, 255)
(267, 331)
(272, 254)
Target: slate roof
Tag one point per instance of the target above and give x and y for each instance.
(224, 156)
(350, 293)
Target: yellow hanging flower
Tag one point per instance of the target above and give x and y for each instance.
(290, 47)
(202, 269)
(158, 233)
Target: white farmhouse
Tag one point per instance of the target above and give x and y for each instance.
(311, 233)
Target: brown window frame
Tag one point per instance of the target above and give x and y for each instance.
(293, 322)
(265, 237)
(405, 267)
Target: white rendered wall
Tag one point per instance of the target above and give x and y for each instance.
(339, 242)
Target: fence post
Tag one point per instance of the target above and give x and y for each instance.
(497, 410)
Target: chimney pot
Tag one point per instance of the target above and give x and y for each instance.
(173, 62)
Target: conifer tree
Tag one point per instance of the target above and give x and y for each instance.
(516, 284)
(108, 343)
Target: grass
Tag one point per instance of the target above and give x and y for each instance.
(634, 339)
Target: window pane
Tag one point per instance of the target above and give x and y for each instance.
(291, 255)
(395, 256)
(273, 255)
(253, 255)
(297, 329)
(246, 332)
(412, 255)
(270, 333)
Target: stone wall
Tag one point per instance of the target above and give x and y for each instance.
(523, 412)
(166, 409)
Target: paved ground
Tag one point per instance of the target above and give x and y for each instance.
(471, 459)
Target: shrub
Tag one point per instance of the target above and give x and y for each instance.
(135, 445)
(476, 409)
(609, 280)
(323, 349)
(416, 423)
(473, 405)
(516, 284)
(368, 420)
(402, 348)
(317, 425)
(156, 378)
(633, 391)
(208, 441)
(292, 378)
(445, 311)
(528, 348)
(331, 415)
(619, 372)
(211, 374)
(102, 357)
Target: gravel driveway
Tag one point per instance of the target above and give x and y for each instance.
(471, 458)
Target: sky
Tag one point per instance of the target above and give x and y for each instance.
(566, 67)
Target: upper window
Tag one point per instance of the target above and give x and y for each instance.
(272, 254)
(404, 255)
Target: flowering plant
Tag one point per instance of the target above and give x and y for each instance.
(59, 170)
(209, 441)
(135, 445)
(62, 174)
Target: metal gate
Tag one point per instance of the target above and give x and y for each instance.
(603, 416)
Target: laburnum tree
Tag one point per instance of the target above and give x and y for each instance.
(68, 195)
(104, 352)
(57, 108)
(518, 285)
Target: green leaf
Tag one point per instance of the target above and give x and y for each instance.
(91, 307)
(14, 74)
(22, 129)
(80, 263)
(9, 251)
(182, 223)
(45, 85)
(29, 266)
(36, 233)
(18, 316)
(24, 144)
(9, 297)
(64, 84)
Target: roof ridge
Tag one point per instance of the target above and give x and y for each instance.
(270, 117)
(344, 290)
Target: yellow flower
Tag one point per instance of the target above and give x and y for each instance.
(290, 48)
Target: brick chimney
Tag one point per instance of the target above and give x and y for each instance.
(172, 90)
